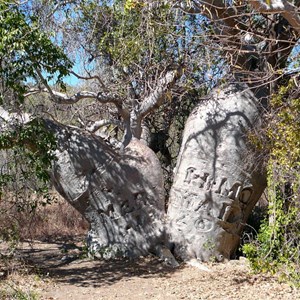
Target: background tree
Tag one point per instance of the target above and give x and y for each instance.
(20, 45)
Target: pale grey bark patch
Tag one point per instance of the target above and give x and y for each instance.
(216, 182)
(120, 194)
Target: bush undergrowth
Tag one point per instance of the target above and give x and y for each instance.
(277, 247)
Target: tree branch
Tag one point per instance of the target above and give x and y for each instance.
(156, 98)
(285, 8)
(58, 5)
(31, 92)
(98, 124)
(187, 8)
(62, 98)
(219, 10)
(90, 77)
(45, 83)
(9, 118)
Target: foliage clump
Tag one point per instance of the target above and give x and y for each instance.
(31, 152)
(26, 53)
(24, 174)
(27, 56)
(277, 247)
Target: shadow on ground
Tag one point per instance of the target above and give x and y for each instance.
(63, 262)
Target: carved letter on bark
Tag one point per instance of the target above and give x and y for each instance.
(120, 194)
(216, 183)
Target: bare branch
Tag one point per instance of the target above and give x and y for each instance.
(44, 81)
(109, 98)
(90, 77)
(31, 92)
(62, 98)
(163, 85)
(188, 9)
(98, 124)
(58, 5)
(219, 10)
(114, 143)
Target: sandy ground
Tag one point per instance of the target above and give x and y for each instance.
(57, 271)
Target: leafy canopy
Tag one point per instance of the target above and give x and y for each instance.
(27, 56)
(25, 51)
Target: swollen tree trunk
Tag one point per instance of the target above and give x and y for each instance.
(120, 194)
(217, 180)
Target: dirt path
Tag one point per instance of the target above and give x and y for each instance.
(65, 276)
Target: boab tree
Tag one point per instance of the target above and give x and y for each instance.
(134, 55)
(139, 54)
(219, 178)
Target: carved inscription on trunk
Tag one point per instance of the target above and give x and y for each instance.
(215, 187)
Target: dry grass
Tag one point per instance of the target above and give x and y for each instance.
(56, 221)
(46, 223)
(20, 284)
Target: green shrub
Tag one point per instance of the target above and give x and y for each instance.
(277, 247)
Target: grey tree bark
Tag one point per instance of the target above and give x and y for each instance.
(120, 194)
(217, 180)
